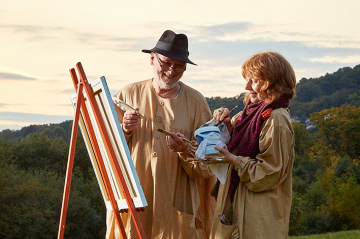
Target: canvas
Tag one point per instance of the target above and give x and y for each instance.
(112, 124)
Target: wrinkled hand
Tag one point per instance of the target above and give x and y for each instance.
(130, 120)
(175, 143)
(229, 157)
(220, 114)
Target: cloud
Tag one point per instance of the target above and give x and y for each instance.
(120, 44)
(13, 76)
(222, 30)
(109, 42)
(33, 118)
(2, 105)
(337, 59)
(31, 28)
(69, 91)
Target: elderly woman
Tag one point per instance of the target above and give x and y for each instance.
(255, 200)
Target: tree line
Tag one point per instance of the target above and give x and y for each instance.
(32, 175)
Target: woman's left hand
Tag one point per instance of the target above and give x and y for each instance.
(229, 157)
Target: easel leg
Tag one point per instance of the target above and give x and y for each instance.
(70, 164)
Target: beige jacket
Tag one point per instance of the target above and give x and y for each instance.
(177, 192)
(262, 201)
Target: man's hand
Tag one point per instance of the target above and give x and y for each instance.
(175, 143)
(130, 120)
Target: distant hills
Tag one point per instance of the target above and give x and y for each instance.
(325, 92)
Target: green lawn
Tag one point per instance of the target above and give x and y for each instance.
(335, 235)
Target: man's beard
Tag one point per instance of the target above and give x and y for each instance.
(164, 85)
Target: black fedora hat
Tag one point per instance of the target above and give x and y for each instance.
(172, 45)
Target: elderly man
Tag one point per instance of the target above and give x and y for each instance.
(177, 192)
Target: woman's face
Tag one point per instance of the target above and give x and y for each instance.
(253, 86)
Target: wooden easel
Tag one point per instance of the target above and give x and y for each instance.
(80, 105)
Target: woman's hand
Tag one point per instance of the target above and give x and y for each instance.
(229, 157)
(222, 114)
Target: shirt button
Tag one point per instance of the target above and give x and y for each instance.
(154, 154)
(157, 136)
(162, 103)
(158, 120)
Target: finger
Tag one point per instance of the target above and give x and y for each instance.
(132, 113)
(131, 119)
(224, 113)
(180, 135)
(177, 139)
(171, 143)
(130, 124)
(221, 150)
(217, 114)
(169, 140)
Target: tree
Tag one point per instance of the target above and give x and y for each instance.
(339, 128)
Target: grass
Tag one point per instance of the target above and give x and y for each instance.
(333, 235)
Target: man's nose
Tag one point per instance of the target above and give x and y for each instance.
(171, 70)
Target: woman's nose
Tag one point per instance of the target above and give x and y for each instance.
(248, 85)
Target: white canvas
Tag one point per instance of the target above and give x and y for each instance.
(118, 141)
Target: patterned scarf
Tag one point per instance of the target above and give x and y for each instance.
(245, 135)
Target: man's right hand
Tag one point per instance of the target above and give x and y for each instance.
(130, 120)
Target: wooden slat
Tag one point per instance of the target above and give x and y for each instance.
(70, 164)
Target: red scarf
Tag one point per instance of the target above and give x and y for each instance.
(245, 135)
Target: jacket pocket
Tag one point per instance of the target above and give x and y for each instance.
(227, 231)
(183, 225)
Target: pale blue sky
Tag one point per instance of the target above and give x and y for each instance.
(41, 40)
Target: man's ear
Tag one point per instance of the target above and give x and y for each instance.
(152, 57)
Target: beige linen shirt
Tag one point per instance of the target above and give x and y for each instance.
(177, 192)
(262, 201)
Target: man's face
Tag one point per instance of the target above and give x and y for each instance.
(167, 79)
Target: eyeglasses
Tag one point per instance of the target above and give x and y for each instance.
(168, 67)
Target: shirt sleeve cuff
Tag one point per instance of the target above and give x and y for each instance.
(128, 136)
(240, 162)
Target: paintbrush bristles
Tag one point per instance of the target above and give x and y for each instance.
(164, 132)
(170, 134)
(124, 106)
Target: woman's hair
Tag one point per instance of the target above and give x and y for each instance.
(276, 73)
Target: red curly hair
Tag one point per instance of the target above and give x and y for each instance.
(274, 71)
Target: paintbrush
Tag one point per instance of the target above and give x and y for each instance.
(170, 134)
(226, 116)
(124, 106)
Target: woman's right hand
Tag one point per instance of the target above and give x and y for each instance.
(220, 114)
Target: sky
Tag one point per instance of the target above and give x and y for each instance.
(41, 40)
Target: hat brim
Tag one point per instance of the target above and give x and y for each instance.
(178, 57)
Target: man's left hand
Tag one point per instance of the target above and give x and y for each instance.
(175, 143)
